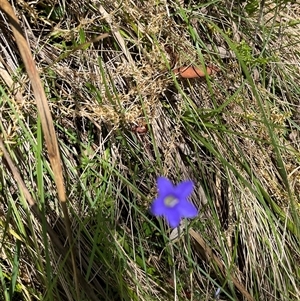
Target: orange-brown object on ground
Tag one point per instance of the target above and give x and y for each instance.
(194, 72)
(140, 129)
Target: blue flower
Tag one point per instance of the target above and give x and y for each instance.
(172, 201)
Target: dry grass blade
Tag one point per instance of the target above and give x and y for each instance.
(8, 80)
(46, 119)
(34, 208)
(211, 257)
(117, 35)
(41, 100)
(17, 175)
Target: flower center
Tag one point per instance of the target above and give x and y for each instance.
(170, 201)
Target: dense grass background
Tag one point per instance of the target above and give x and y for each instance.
(122, 118)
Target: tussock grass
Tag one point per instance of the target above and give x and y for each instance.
(107, 71)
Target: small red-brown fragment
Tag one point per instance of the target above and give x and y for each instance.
(141, 129)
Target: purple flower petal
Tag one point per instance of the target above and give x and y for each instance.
(173, 217)
(184, 189)
(165, 186)
(158, 207)
(187, 209)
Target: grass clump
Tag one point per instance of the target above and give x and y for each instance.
(122, 118)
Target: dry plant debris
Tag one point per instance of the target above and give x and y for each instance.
(122, 117)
